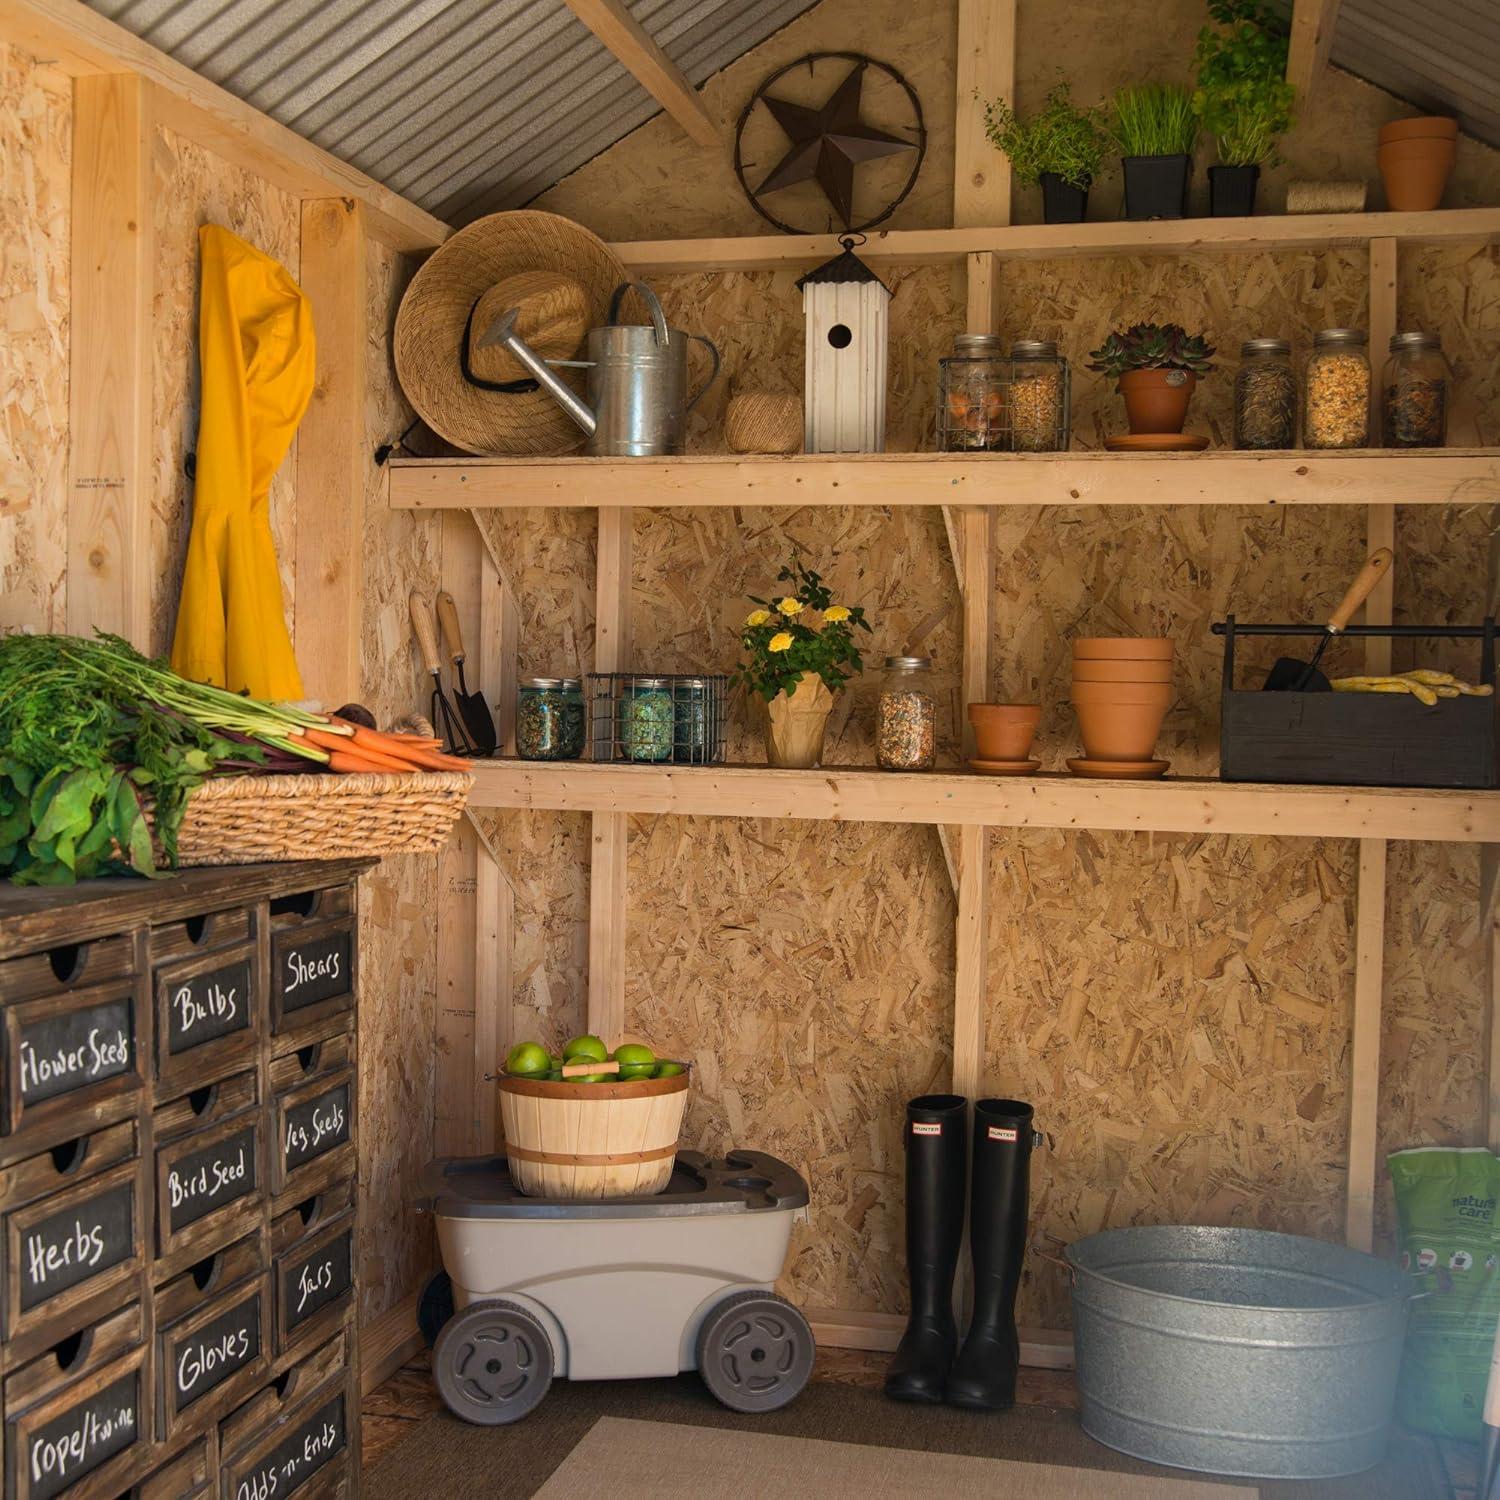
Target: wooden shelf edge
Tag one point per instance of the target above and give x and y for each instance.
(854, 794)
(879, 1332)
(1441, 476)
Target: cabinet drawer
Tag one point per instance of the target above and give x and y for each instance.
(188, 1475)
(208, 1015)
(313, 1277)
(67, 967)
(212, 1357)
(314, 1100)
(313, 957)
(192, 937)
(87, 1416)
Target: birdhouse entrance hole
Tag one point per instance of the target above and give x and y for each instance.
(840, 336)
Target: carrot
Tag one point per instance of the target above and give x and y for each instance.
(347, 761)
(433, 760)
(326, 739)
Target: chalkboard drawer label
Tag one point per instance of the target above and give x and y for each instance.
(313, 1441)
(315, 1125)
(314, 1275)
(205, 1005)
(313, 966)
(218, 1341)
(196, 1182)
(54, 1452)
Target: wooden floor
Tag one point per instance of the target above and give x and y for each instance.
(409, 1396)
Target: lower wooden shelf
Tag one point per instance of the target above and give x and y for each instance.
(1177, 804)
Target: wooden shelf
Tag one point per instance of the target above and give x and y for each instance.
(1439, 476)
(855, 794)
(1058, 241)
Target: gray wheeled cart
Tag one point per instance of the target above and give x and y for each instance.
(615, 1288)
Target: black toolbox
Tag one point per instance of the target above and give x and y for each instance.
(1359, 739)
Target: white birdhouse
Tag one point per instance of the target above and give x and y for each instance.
(844, 308)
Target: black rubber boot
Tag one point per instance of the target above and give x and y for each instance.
(984, 1374)
(934, 1138)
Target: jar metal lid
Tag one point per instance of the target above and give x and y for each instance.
(1265, 346)
(646, 682)
(976, 343)
(1339, 336)
(550, 682)
(692, 682)
(912, 663)
(1034, 349)
(1415, 341)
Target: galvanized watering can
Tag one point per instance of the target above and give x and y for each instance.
(637, 382)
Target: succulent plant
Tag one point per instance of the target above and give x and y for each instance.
(1152, 346)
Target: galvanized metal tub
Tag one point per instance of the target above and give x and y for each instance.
(1237, 1351)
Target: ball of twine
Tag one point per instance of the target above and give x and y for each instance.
(1325, 197)
(759, 422)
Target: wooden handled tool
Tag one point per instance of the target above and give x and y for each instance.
(442, 715)
(1289, 675)
(476, 713)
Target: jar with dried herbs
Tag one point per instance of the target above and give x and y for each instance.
(1414, 392)
(647, 719)
(1265, 395)
(906, 724)
(1337, 401)
(1038, 402)
(549, 718)
(971, 395)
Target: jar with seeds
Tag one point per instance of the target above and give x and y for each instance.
(647, 719)
(906, 723)
(1336, 405)
(549, 718)
(1265, 395)
(1038, 401)
(1414, 392)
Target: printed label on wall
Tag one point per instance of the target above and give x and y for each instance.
(307, 971)
(316, 1126)
(77, 1442)
(208, 1179)
(203, 1007)
(200, 1361)
(71, 1051)
(311, 1281)
(294, 1460)
(69, 1247)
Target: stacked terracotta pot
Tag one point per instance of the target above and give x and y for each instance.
(1415, 158)
(1122, 688)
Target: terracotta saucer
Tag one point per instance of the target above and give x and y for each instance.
(1156, 442)
(1005, 767)
(1119, 770)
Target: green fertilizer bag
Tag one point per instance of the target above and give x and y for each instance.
(1445, 1201)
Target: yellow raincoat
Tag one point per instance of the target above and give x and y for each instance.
(256, 354)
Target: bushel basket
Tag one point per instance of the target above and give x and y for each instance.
(593, 1140)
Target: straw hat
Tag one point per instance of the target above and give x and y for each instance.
(557, 273)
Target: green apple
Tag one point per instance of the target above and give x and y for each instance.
(527, 1060)
(635, 1060)
(669, 1069)
(593, 1078)
(585, 1049)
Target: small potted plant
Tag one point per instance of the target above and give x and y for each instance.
(1242, 98)
(1155, 130)
(802, 651)
(1156, 366)
(1061, 147)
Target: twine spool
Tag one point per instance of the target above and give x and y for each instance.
(1325, 197)
(759, 422)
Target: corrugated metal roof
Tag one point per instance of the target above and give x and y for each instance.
(463, 106)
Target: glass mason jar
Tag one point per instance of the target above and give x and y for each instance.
(646, 719)
(1039, 403)
(694, 732)
(971, 395)
(549, 718)
(1414, 392)
(1336, 400)
(906, 725)
(1265, 395)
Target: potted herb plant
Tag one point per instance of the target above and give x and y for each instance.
(801, 649)
(1155, 130)
(1156, 366)
(1242, 98)
(1061, 147)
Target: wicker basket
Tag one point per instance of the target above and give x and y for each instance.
(592, 1140)
(244, 820)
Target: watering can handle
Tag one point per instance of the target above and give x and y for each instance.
(644, 292)
(713, 374)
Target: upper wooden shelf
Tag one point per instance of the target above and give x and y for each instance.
(854, 794)
(1054, 241)
(1440, 476)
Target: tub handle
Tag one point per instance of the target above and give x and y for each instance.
(1057, 1260)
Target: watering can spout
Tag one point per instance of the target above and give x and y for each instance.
(503, 332)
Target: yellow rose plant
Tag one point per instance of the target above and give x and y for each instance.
(784, 642)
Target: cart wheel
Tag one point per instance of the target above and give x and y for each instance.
(492, 1363)
(435, 1307)
(755, 1352)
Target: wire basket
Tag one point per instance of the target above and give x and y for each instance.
(656, 717)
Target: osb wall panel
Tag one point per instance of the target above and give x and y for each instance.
(36, 125)
(192, 187)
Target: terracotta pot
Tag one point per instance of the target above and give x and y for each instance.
(1004, 731)
(1122, 692)
(1120, 731)
(1157, 400)
(1420, 127)
(1415, 172)
(1122, 648)
(795, 725)
(1122, 671)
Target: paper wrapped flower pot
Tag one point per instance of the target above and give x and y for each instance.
(796, 725)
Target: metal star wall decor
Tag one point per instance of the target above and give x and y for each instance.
(828, 142)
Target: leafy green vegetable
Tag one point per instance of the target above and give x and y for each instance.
(1243, 97)
(1060, 138)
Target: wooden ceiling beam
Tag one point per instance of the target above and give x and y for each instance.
(640, 56)
(1313, 23)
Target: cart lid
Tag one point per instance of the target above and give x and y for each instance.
(479, 1187)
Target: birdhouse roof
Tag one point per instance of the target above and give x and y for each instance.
(845, 267)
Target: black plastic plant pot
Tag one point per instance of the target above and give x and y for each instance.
(1156, 187)
(1062, 203)
(1231, 191)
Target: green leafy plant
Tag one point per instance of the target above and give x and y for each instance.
(1152, 346)
(1154, 119)
(784, 643)
(1242, 97)
(1059, 138)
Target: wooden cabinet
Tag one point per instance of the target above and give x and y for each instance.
(178, 1204)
